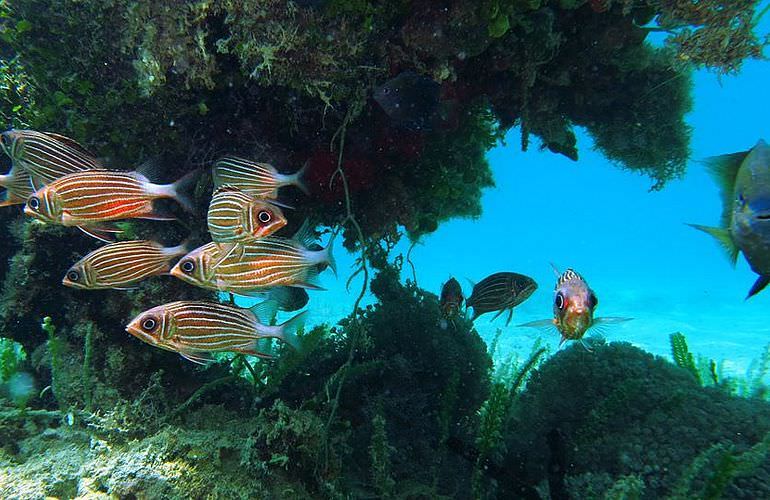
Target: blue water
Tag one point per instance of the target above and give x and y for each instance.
(631, 244)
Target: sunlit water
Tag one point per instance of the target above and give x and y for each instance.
(631, 244)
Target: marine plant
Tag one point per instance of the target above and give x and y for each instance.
(682, 355)
(507, 380)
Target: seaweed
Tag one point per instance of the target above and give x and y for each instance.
(682, 355)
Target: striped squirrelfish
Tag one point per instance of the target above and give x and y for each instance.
(91, 198)
(17, 187)
(257, 265)
(121, 265)
(259, 179)
(46, 156)
(500, 292)
(195, 329)
(574, 303)
(236, 216)
(199, 269)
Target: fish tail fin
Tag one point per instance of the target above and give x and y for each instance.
(288, 330)
(328, 255)
(183, 189)
(265, 311)
(723, 237)
(758, 285)
(298, 179)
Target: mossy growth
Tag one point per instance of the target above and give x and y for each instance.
(623, 412)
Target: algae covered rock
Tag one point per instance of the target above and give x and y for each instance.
(590, 420)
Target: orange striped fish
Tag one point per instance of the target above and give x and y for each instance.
(235, 216)
(195, 329)
(199, 270)
(46, 156)
(259, 179)
(257, 264)
(17, 187)
(90, 198)
(121, 265)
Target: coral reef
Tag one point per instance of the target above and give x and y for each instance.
(294, 83)
(622, 413)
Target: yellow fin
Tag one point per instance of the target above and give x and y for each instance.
(724, 238)
(724, 169)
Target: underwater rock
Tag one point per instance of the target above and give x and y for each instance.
(622, 412)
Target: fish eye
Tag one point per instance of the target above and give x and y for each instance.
(149, 324)
(73, 276)
(559, 300)
(188, 266)
(741, 199)
(264, 216)
(33, 202)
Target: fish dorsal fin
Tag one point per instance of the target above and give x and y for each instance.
(71, 143)
(724, 238)
(305, 235)
(724, 169)
(555, 270)
(227, 188)
(265, 311)
(150, 169)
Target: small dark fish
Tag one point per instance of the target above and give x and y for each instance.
(409, 99)
(573, 308)
(450, 301)
(500, 292)
(195, 329)
(744, 181)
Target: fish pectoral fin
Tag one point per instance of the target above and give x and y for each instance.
(228, 249)
(758, 285)
(100, 234)
(723, 237)
(610, 320)
(199, 357)
(542, 323)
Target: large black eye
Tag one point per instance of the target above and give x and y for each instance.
(73, 276)
(559, 301)
(149, 324)
(33, 202)
(264, 216)
(188, 266)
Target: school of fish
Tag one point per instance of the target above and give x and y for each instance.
(61, 182)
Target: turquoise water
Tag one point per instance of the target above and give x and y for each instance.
(631, 244)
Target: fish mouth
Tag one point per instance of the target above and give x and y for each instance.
(138, 333)
(764, 216)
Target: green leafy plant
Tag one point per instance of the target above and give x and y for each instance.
(682, 355)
